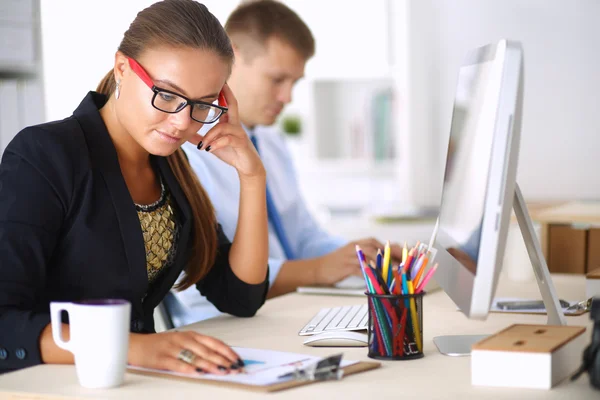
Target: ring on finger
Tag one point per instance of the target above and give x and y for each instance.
(187, 356)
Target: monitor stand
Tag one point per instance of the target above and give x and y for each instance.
(460, 345)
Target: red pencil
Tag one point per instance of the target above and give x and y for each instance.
(402, 330)
(411, 255)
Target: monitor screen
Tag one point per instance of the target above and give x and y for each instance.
(479, 181)
(480, 188)
(468, 163)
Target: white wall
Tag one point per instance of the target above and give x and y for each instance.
(561, 122)
(81, 37)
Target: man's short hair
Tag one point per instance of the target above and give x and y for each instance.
(252, 23)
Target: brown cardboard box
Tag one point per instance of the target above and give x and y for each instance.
(567, 249)
(593, 250)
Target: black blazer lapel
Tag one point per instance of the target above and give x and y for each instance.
(104, 158)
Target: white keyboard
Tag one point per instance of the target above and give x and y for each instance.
(346, 318)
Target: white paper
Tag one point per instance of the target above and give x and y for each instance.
(263, 367)
(327, 290)
(350, 286)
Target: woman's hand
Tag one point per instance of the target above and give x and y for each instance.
(162, 351)
(229, 141)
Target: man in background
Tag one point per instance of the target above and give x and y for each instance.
(272, 45)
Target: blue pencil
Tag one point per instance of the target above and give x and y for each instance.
(390, 274)
(379, 261)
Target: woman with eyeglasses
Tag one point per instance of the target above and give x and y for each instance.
(103, 204)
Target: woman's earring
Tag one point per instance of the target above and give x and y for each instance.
(118, 90)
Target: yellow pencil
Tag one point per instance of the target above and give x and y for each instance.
(386, 261)
(404, 253)
(413, 316)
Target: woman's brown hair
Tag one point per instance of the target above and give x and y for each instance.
(181, 23)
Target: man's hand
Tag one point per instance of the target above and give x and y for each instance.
(328, 269)
(344, 262)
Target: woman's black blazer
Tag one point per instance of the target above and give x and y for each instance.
(69, 231)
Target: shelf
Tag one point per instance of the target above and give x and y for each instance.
(18, 71)
(317, 74)
(350, 167)
(21, 77)
(353, 119)
(346, 185)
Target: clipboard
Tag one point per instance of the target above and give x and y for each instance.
(356, 368)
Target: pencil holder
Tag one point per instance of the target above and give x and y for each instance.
(395, 326)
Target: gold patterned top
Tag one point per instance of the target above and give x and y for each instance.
(160, 231)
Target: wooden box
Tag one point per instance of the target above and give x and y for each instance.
(570, 236)
(528, 356)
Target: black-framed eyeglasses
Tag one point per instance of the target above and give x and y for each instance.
(170, 102)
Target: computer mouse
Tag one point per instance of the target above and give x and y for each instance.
(338, 339)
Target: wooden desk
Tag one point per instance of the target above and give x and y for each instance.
(276, 326)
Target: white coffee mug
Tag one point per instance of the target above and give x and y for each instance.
(98, 338)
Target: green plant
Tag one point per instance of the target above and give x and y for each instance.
(291, 125)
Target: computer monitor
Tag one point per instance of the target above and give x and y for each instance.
(480, 190)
